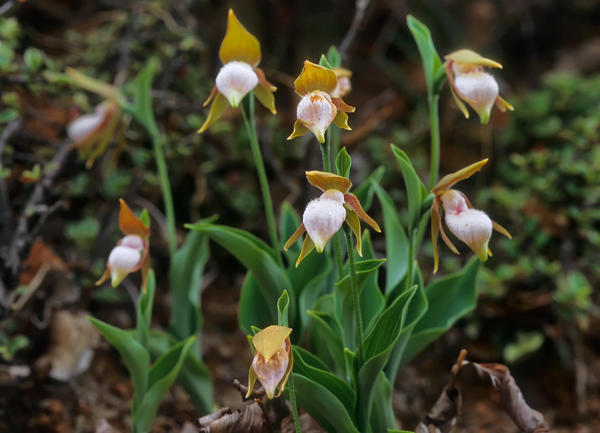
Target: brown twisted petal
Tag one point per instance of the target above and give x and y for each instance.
(352, 201)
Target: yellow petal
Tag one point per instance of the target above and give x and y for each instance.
(213, 93)
(251, 381)
(293, 238)
(341, 121)
(268, 341)
(342, 72)
(472, 58)
(464, 173)
(315, 77)
(265, 97)
(324, 181)
(239, 44)
(503, 105)
(299, 130)
(501, 230)
(217, 108)
(307, 246)
(354, 223)
(352, 201)
(130, 224)
(288, 372)
(99, 87)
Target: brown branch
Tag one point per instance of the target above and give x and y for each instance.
(359, 15)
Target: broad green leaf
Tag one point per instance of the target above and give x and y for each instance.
(432, 63)
(382, 413)
(313, 288)
(161, 377)
(334, 57)
(449, 299)
(185, 278)
(283, 304)
(343, 299)
(334, 384)
(396, 242)
(135, 356)
(323, 405)
(343, 163)
(325, 339)
(366, 190)
(194, 377)
(413, 184)
(144, 310)
(258, 258)
(252, 310)
(372, 300)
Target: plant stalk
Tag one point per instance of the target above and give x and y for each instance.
(250, 124)
(292, 397)
(434, 130)
(355, 296)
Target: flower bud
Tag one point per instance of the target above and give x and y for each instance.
(235, 80)
(270, 372)
(323, 217)
(479, 89)
(471, 226)
(126, 257)
(316, 111)
(82, 126)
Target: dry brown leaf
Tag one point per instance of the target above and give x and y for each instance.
(249, 419)
(443, 415)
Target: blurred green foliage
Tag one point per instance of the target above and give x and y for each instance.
(547, 192)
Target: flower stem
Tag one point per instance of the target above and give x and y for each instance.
(159, 156)
(325, 153)
(434, 126)
(355, 295)
(292, 397)
(250, 123)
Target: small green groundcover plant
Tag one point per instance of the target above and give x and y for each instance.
(324, 333)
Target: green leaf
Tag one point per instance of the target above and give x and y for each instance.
(194, 377)
(142, 108)
(135, 356)
(323, 405)
(449, 299)
(185, 278)
(334, 384)
(325, 338)
(432, 63)
(144, 310)
(314, 272)
(381, 338)
(371, 299)
(333, 56)
(396, 242)
(258, 258)
(366, 190)
(343, 299)
(33, 58)
(251, 308)
(343, 162)
(324, 62)
(382, 412)
(414, 186)
(283, 304)
(161, 377)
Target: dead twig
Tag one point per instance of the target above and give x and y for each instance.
(359, 15)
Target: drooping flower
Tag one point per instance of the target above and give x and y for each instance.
(92, 133)
(319, 106)
(240, 54)
(472, 226)
(324, 216)
(469, 83)
(131, 252)
(273, 360)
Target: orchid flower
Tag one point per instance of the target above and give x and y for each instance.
(324, 216)
(319, 106)
(469, 83)
(131, 252)
(240, 54)
(472, 226)
(273, 360)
